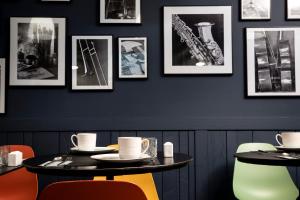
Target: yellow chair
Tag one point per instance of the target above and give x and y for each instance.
(144, 181)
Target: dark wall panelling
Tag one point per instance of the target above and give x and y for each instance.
(208, 177)
(171, 179)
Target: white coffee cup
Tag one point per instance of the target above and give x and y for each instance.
(85, 141)
(289, 139)
(131, 147)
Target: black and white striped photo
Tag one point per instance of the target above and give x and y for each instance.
(272, 64)
(120, 11)
(133, 57)
(92, 63)
(37, 51)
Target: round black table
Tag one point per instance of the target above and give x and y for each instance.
(83, 165)
(276, 158)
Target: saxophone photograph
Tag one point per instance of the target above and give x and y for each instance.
(197, 40)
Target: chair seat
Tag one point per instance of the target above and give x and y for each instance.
(92, 190)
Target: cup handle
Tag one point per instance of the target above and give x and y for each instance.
(148, 145)
(72, 140)
(277, 139)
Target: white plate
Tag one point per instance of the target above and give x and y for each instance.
(287, 148)
(97, 149)
(114, 158)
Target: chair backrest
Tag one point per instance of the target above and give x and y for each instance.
(144, 181)
(19, 184)
(93, 190)
(249, 177)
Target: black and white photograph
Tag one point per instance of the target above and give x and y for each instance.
(255, 9)
(120, 11)
(272, 64)
(37, 51)
(197, 40)
(293, 9)
(2, 85)
(92, 67)
(133, 57)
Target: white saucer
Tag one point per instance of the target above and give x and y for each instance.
(114, 158)
(96, 150)
(288, 148)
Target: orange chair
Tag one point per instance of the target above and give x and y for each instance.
(19, 184)
(144, 181)
(92, 190)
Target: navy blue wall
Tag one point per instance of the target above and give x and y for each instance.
(159, 103)
(210, 108)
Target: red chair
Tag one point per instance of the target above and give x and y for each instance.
(19, 184)
(93, 190)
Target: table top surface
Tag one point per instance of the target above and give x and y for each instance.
(83, 165)
(5, 169)
(275, 158)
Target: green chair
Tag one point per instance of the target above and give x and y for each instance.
(262, 182)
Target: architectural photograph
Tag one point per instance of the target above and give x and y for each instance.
(120, 11)
(293, 9)
(37, 51)
(256, 9)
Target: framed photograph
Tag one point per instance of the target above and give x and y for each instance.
(120, 11)
(273, 68)
(293, 9)
(255, 9)
(92, 65)
(133, 57)
(197, 40)
(37, 51)
(2, 85)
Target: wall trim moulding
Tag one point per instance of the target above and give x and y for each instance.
(152, 123)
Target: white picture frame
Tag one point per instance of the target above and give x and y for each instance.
(127, 13)
(256, 9)
(180, 58)
(293, 10)
(92, 63)
(133, 57)
(273, 74)
(2, 85)
(37, 51)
